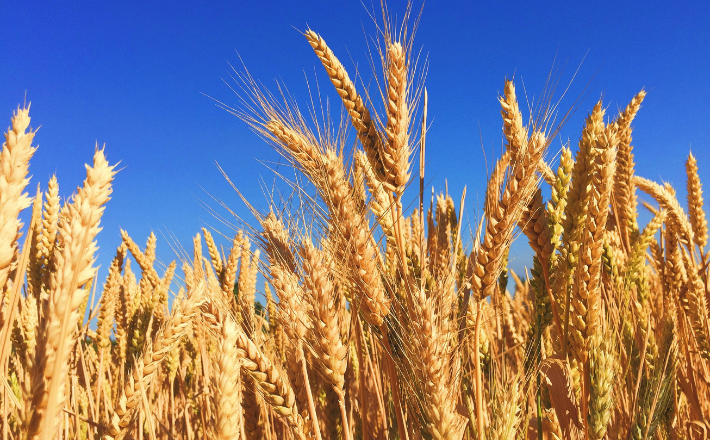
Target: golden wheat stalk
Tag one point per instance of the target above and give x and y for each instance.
(359, 114)
(395, 153)
(14, 160)
(77, 229)
(695, 203)
(624, 193)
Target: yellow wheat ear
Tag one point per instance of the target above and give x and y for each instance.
(153, 354)
(15, 158)
(78, 227)
(695, 203)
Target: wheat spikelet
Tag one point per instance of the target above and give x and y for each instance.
(695, 203)
(14, 164)
(78, 227)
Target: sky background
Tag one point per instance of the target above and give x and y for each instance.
(134, 76)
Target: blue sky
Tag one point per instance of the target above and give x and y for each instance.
(134, 75)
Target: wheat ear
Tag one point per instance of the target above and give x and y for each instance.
(513, 129)
(379, 202)
(146, 366)
(692, 299)
(586, 295)
(695, 203)
(575, 214)
(78, 228)
(50, 222)
(274, 387)
(624, 196)
(396, 152)
(229, 271)
(109, 298)
(228, 396)
(678, 220)
(143, 260)
(247, 288)
(601, 396)
(35, 259)
(214, 252)
(14, 166)
(359, 114)
(501, 221)
(351, 229)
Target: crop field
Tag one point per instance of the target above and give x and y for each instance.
(386, 316)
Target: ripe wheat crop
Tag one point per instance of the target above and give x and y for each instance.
(382, 321)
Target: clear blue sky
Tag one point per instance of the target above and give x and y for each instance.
(132, 75)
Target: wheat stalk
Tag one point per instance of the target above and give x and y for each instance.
(359, 114)
(14, 160)
(78, 227)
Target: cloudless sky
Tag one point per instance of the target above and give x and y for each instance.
(134, 75)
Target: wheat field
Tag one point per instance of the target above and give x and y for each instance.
(385, 318)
